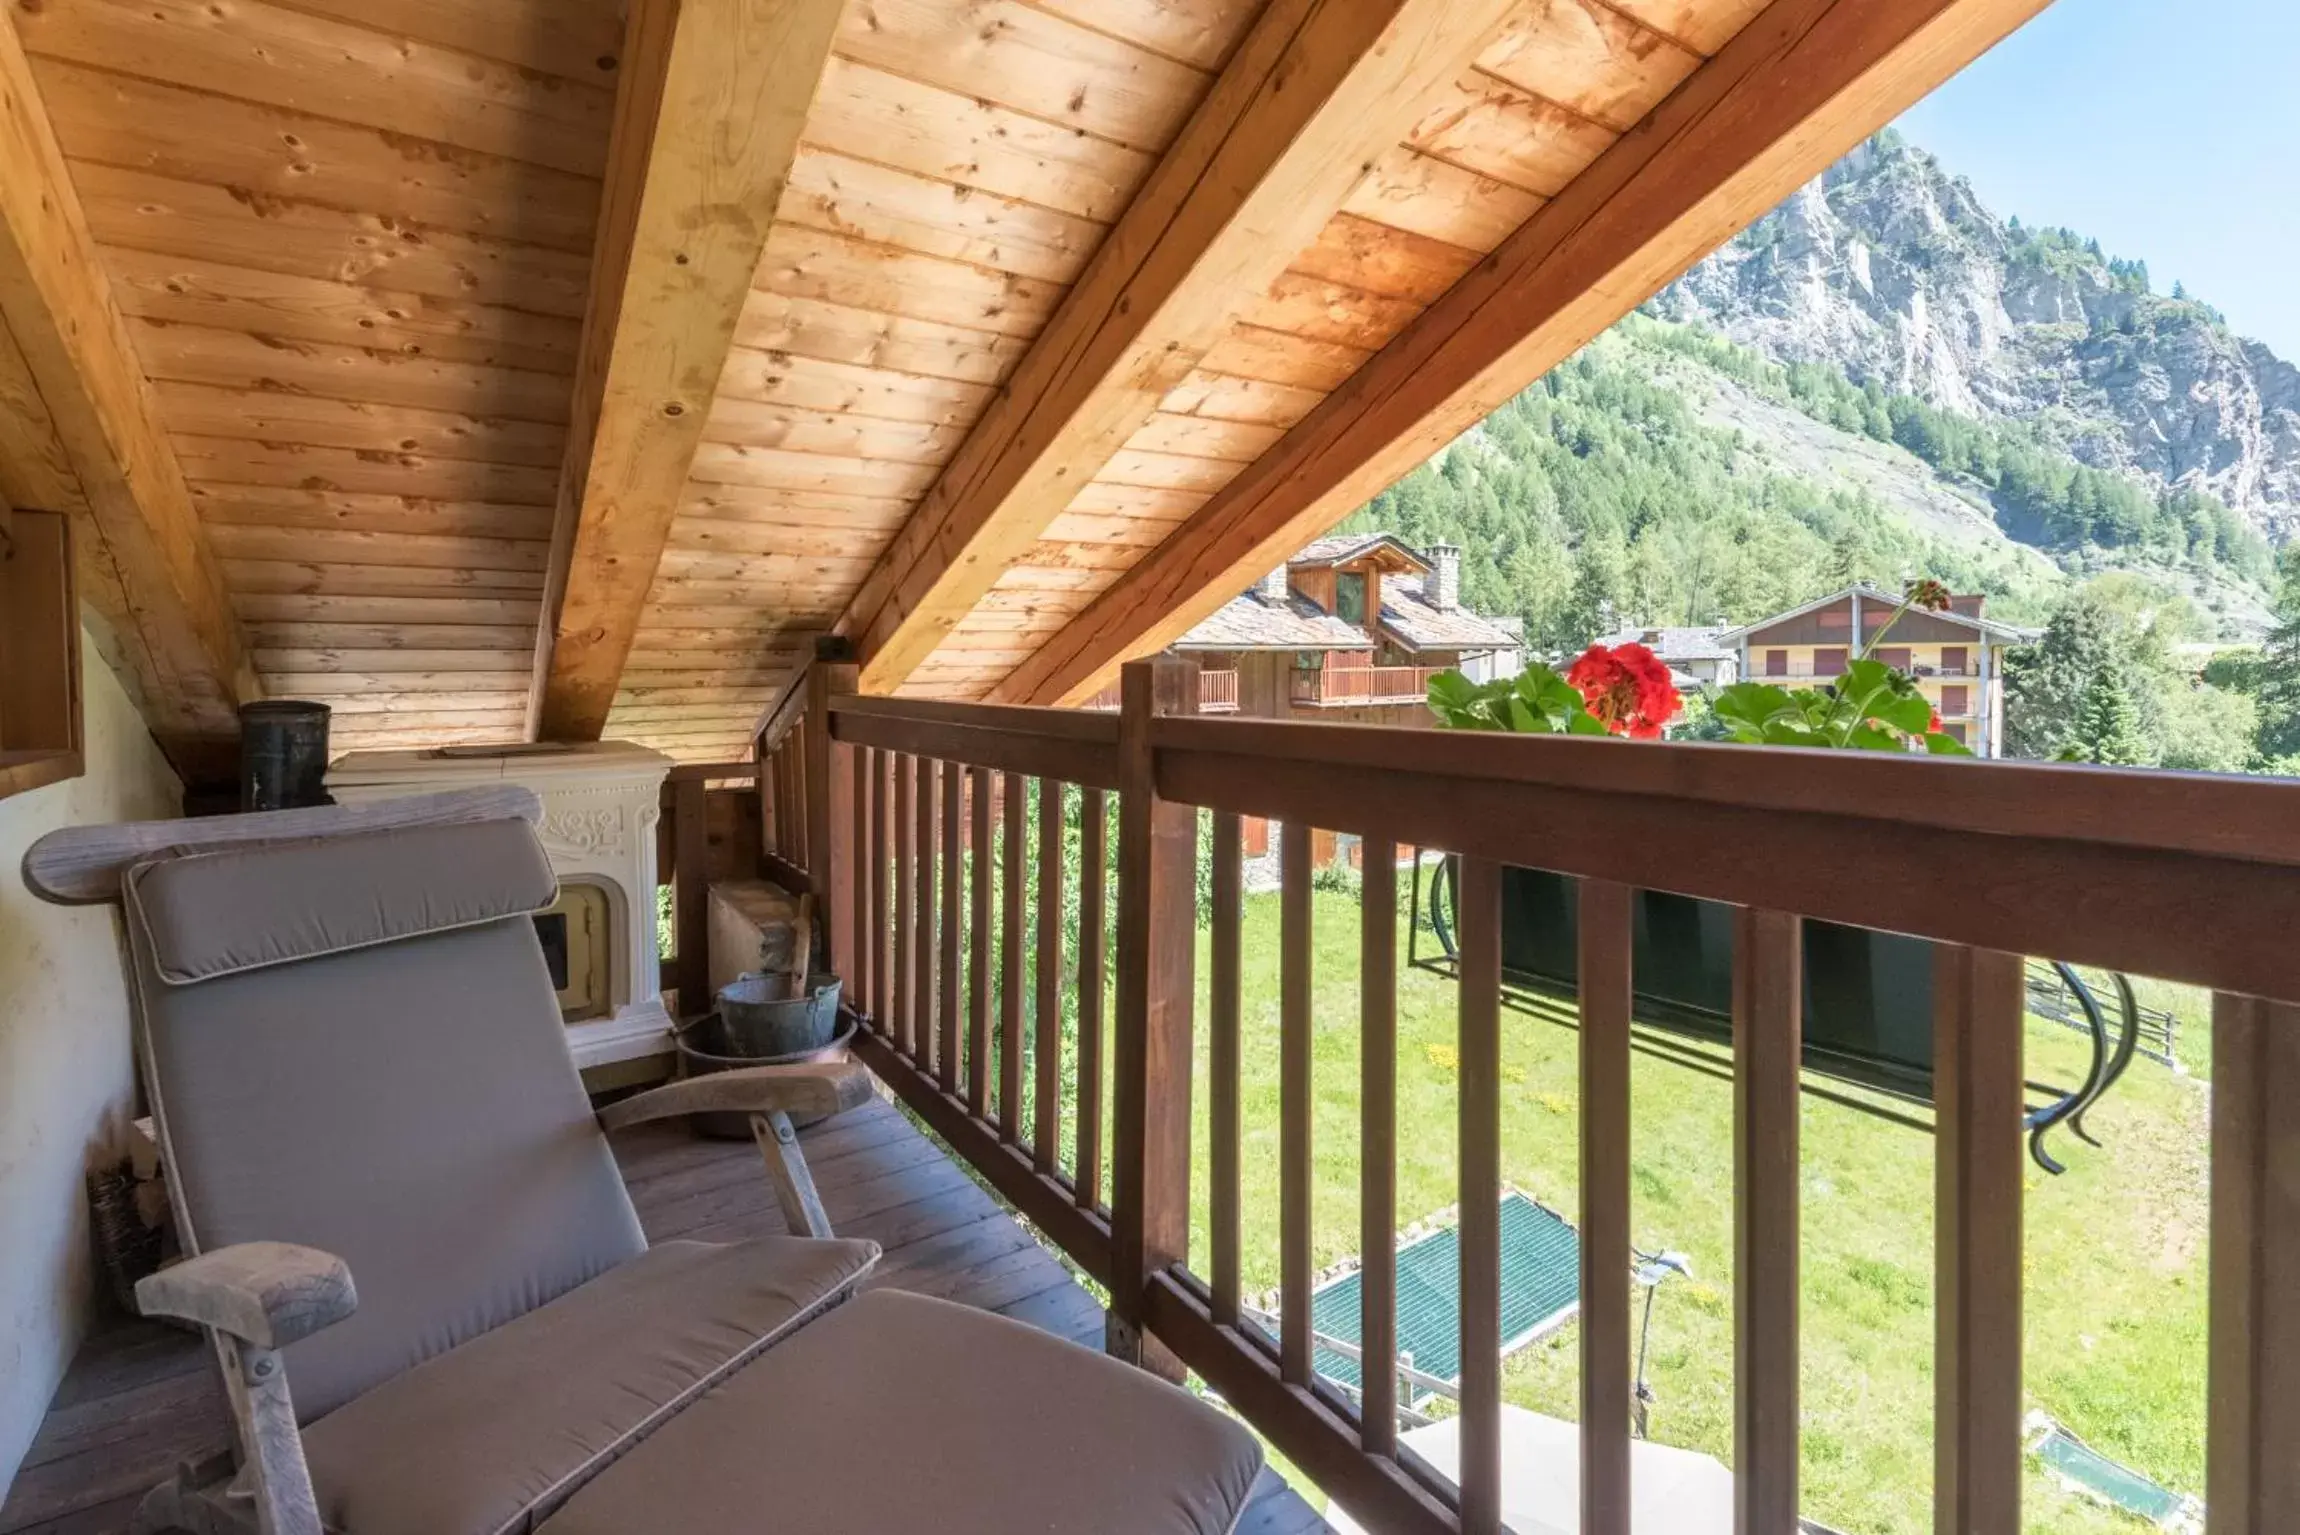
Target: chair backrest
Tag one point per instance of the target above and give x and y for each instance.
(353, 1043)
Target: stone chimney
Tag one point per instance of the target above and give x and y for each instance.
(1275, 585)
(1968, 607)
(1445, 577)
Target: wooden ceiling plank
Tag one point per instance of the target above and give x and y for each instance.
(307, 420)
(1433, 198)
(200, 221)
(583, 41)
(340, 546)
(713, 98)
(1704, 26)
(783, 378)
(774, 322)
(270, 151)
(295, 507)
(1591, 58)
(333, 635)
(177, 623)
(841, 269)
(1314, 91)
(1792, 91)
(1031, 60)
(962, 137)
(1222, 397)
(283, 306)
(935, 217)
(1269, 356)
(278, 57)
(320, 578)
(227, 461)
(1201, 33)
(1488, 126)
(722, 463)
(232, 359)
(287, 608)
(756, 423)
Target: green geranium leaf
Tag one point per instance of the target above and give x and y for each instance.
(1941, 744)
(1908, 711)
(1869, 738)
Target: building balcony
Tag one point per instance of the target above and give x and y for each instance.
(1217, 694)
(1341, 687)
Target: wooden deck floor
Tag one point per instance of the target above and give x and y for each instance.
(140, 1396)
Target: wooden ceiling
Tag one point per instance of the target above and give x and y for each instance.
(977, 330)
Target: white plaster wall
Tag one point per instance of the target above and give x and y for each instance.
(67, 1080)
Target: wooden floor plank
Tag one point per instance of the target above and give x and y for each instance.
(141, 1396)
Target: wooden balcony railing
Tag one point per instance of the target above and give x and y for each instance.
(950, 912)
(1338, 686)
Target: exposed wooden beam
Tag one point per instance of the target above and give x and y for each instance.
(84, 436)
(1315, 92)
(714, 95)
(1796, 88)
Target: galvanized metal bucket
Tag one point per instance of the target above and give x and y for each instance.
(758, 1023)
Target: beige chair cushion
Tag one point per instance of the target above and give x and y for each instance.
(899, 1414)
(404, 1102)
(494, 1434)
(216, 914)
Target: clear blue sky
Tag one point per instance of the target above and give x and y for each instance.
(2169, 130)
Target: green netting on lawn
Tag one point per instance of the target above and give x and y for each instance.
(1540, 1287)
(2090, 1471)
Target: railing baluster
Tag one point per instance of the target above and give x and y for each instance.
(1978, 1003)
(1480, 1095)
(1294, 1099)
(825, 810)
(1013, 787)
(859, 947)
(923, 993)
(953, 812)
(1605, 928)
(875, 884)
(1091, 937)
(978, 945)
(882, 873)
(1222, 1066)
(1768, 973)
(905, 1000)
(1377, 1145)
(2252, 1473)
(1046, 1028)
(1157, 995)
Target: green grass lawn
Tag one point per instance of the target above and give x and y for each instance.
(2116, 1295)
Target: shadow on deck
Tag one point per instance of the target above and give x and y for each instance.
(141, 1396)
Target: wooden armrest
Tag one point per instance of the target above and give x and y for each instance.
(819, 1089)
(268, 1294)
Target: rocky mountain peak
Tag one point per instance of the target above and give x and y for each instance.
(1890, 268)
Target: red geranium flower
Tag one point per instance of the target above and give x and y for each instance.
(1931, 595)
(1626, 689)
(1935, 727)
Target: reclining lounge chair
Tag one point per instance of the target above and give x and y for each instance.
(356, 1065)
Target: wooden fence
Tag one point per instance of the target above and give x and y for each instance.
(2189, 878)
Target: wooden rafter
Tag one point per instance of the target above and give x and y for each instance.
(1315, 92)
(83, 436)
(1801, 84)
(713, 97)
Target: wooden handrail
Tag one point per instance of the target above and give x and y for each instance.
(2184, 876)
